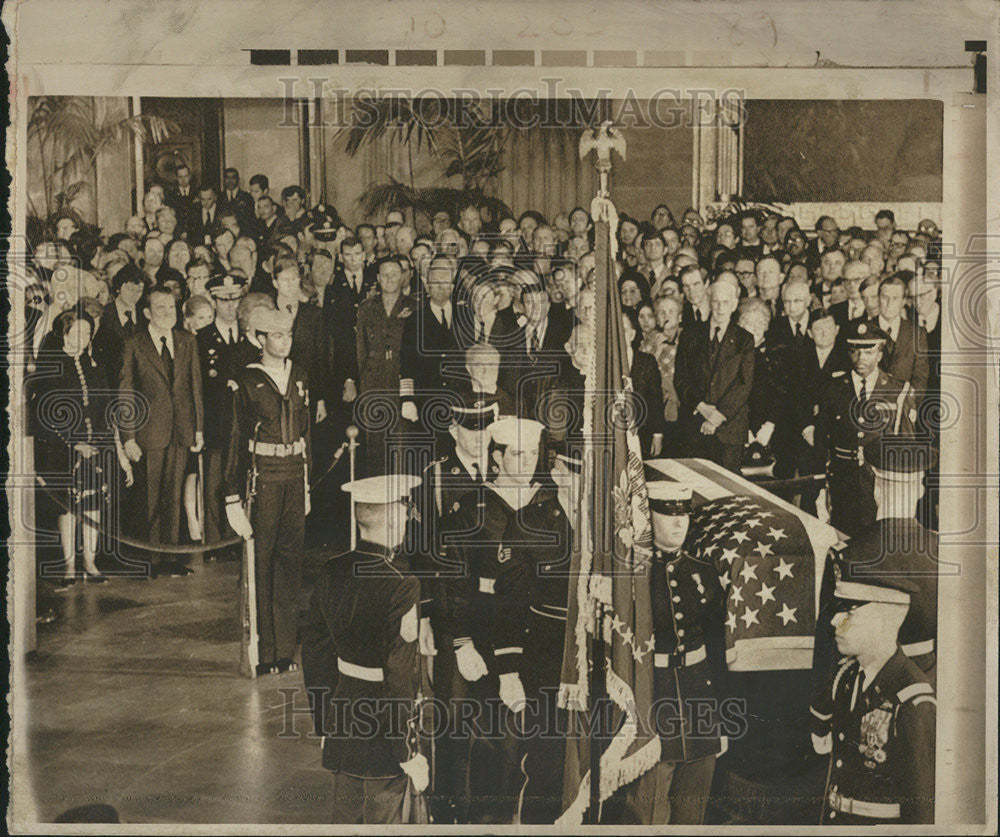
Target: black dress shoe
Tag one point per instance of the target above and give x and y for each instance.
(92, 578)
(176, 570)
(266, 668)
(285, 664)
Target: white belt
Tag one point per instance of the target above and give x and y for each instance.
(487, 585)
(875, 810)
(551, 611)
(674, 660)
(915, 649)
(270, 449)
(374, 675)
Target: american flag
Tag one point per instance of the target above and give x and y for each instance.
(769, 556)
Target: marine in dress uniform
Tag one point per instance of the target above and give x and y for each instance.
(689, 663)
(463, 471)
(486, 532)
(858, 407)
(269, 441)
(217, 350)
(360, 665)
(531, 603)
(884, 711)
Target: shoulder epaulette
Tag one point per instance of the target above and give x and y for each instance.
(907, 693)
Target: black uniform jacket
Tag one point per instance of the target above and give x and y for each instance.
(363, 613)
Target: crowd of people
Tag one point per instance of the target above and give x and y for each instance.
(195, 374)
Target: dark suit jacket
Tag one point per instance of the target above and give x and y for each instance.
(687, 315)
(780, 333)
(197, 229)
(840, 314)
(340, 317)
(242, 205)
(109, 342)
(534, 375)
(813, 381)
(218, 367)
(165, 413)
(724, 381)
(311, 351)
(430, 354)
(906, 357)
(647, 387)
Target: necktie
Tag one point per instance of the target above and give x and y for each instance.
(715, 337)
(697, 315)
(480, 330)
(535, 344)
(129, 322)
(168, 361)
(477, 475)
(207, 219)
(447, 317)
(863, 394)
(798, 329)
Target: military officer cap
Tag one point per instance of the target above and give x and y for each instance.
(229, 286)
(324, 222)
(522, 433)
(865, 335)
(670, 498)
(475, 415)
(383, 490)
(883, 582)
(902, 458)
(274, 322)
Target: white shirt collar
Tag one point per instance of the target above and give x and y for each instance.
(279, 376)
(157, 333)
(713, 325)
(803, 322)
(890, 328)
(232, 331)
(870, 381)
(823, 354)
(469, 463)
(122, 308)
(930, 320)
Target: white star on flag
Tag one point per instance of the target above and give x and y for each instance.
(766, 593)
(787, 614)
(651, 643)
(783, 569)
(753, 522)
(749, 571)
(616, 624)
(749, 617)
(763, 548)
(739, 537)
(765, 514)
(736, 593)
(777, 534)
(730, 555)
(731, 621)
(724, 579)
(710, 549)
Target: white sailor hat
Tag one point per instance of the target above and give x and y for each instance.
(389, 488)
(279, 322)
(667, 497)
(522, 433)
(227, 286)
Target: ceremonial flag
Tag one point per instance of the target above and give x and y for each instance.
(769, 556)
(611, 561)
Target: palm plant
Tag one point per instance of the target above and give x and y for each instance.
(65, 137)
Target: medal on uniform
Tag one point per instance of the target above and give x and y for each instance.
(874, 736)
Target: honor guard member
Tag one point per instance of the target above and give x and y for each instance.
(689, 662)
(531, 604)
(267, 458)
(486, 530)
(360, 663)
(897, 543)
(217, 349)
(444, 483)
(884, 711)
(857, 407)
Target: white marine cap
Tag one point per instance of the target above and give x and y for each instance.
(666, 497)
(390, 488)
(522, 433)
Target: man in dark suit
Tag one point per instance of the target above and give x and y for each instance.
(790, 327)
(217, 344)
(183, 197)
(202, 220)
(852, 308)
(430, 342)
(696, 307)
(161, 382)
(270, 223)
(905, 354)
(234, 199)
(539, 354)
(121, 319)
(713, 376)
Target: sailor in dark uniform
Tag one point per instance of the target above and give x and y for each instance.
(884, 710)
(463, 471)
(486, 530)
(217, 345)
(857, 407)
(269, 443)
(689, 662)
(896, 543)
(360, 664)
(531, 604)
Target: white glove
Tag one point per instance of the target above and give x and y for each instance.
(512, 691)
(410, 411)
(809, 434)
(470, 663)
(418, 771)
(132, 450)
(765, 433)
(823, 745)
(426, 638)
(238, 520)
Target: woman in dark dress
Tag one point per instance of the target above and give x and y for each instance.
(647, 387)
(73, 411)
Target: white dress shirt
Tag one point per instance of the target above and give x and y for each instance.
(156, 334)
